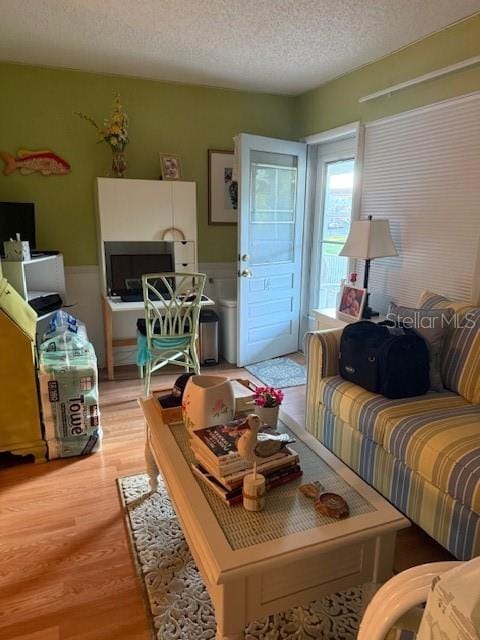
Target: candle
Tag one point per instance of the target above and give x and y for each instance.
(254, 490)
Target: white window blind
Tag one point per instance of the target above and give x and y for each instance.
(422, 171)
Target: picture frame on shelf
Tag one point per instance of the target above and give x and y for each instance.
(222, 189)
(170, 166)
(351, 302)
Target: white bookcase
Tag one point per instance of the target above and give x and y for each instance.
(38, 276)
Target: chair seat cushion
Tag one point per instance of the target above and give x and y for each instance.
(437, 434)
(160, 344)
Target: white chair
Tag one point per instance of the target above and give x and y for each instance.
(172, 309)
(451, 591)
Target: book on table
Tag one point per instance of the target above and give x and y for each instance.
(219, 444)
(234, 496)
(220, 466)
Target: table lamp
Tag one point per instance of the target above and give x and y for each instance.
(369, 239)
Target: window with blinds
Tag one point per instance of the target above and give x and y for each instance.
(422, 171)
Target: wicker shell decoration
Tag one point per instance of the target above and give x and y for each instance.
(329, 504)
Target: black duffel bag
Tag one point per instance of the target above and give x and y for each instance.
(391, 361)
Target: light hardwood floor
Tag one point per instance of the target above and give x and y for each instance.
(65, 566)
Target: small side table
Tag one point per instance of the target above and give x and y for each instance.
(328, 319)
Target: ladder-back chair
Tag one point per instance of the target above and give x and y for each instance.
(172, 310)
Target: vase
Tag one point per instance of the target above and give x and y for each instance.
(119, 164)
(269, 415)
(207, 401)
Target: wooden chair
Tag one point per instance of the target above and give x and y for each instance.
(172, 310)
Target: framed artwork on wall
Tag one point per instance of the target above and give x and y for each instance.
(170, 166)
(351, 303)
(222, 189)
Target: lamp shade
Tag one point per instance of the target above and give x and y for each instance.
(369, 239)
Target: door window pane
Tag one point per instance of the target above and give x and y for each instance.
(337, 214)
(272, 207)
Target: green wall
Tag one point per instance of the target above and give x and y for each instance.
(36, 112)
(336, 102)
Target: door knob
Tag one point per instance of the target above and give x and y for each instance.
(245, 257)
(246, 273)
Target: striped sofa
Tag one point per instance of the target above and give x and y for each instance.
(421, 453)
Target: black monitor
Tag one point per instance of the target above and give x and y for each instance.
(126, 270)
(17, 217)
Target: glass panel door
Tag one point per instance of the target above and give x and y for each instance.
(272, 193)
(336, 215)
(273, 179)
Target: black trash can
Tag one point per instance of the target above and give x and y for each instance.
(208, 333)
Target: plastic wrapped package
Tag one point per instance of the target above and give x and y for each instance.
(69, 394)
(62, 323)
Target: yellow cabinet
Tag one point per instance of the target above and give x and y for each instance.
(20, 424)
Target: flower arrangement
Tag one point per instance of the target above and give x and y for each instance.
(268, 397)
(115, 133)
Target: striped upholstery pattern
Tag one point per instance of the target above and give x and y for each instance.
(447, 520)
(444, 448)
(370, 413)
(461, 356)
(423, 454)
(437, 435)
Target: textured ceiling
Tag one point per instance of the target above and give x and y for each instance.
(278, 46)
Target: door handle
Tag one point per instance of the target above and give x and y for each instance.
(245, 257)
(246, 273)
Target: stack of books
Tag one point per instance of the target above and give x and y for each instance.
(219, 465)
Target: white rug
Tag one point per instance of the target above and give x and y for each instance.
(279, 372)
(177, 599)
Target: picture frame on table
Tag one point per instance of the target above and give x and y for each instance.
(351, 303)
(170, 166)
(222, 189)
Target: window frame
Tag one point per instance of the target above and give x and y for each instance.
(323, 165)
(318, 145)
(335, 151)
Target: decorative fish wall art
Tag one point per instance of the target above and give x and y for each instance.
(45, 162)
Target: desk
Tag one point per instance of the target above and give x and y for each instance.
(114, 305)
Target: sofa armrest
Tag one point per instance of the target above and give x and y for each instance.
(322, 349)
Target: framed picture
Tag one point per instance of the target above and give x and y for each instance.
(352, 301)
(222, 189)
(170, 167)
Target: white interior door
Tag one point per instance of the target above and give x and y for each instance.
(272, 199)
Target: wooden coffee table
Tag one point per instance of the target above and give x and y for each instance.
(258, 564)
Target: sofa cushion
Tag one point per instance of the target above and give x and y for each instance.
(461, 355)
(431, 325)
(442, 446)
(369, 412)
(437, 435)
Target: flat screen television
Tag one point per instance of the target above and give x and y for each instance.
(17, 217)
(126, 270)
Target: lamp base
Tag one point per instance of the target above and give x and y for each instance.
(368, 313)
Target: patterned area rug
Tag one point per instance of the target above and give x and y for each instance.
(279, 372)
(178, 602)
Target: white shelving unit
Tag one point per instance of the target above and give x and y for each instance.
(139, 211)
(41, 275)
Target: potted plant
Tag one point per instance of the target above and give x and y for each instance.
(267, 401)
